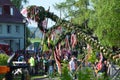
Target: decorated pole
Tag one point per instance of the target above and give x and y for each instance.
(38, 14)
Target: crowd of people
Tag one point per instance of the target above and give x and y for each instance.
(42, 64)
(45, 64)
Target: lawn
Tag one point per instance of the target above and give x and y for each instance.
(35, 40)
(37, 77)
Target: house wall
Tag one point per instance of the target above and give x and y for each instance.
(14, 39)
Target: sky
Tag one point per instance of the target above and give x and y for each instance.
(46, 4)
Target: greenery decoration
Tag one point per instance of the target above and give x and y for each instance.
(68, 26)
(3, 59)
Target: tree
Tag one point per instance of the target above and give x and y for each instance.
(41, 14)
(28, 42)
(106, 21)
(19, 3)
(3, 59)
(77, 10)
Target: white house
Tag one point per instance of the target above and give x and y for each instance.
(12, 27)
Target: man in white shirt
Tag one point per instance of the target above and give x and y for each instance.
(72, 67)
(72, 64)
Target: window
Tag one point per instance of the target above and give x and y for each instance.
(0, 10)
(6, 9)
(18, 29)
(8, 28)
(0, 29)
(11, 11)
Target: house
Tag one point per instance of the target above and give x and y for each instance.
(12, 27)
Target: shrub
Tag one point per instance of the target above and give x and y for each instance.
(3, 59)
(65, 73)
(86, 73)
(92, 58)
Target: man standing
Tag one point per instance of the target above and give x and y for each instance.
(72, 66)
(32, 65)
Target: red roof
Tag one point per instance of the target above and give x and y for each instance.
(7, 18)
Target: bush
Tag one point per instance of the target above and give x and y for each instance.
(86, 73)
(65, 73)
(3, 59)
(92, 58)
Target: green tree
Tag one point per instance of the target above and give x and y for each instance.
(19, 3)
(106, 21)
(3, 62)
(77, 10)
(3, 59)
(104, 18)
(28, 42)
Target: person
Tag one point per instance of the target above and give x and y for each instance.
(65, 58)
(101, 66)
(51, 66)
(72, 66)
(32, 65)
(45, 63)
(21, 58)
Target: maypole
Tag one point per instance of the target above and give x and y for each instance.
(38, 14)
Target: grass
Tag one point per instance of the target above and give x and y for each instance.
(30, 77)
(37, 77)
(35, 40)
(18, 77)
(2, 76)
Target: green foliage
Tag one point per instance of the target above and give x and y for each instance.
(2, 76)
(76, 10)
(3, 59)
(106, 21)
(92, 58)
(27, 32)
(19, 3)
(45, 47)
(36, 40)
(28, 42)
(65, 72)
(104, 17)
(86, 74)
(81, 56)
